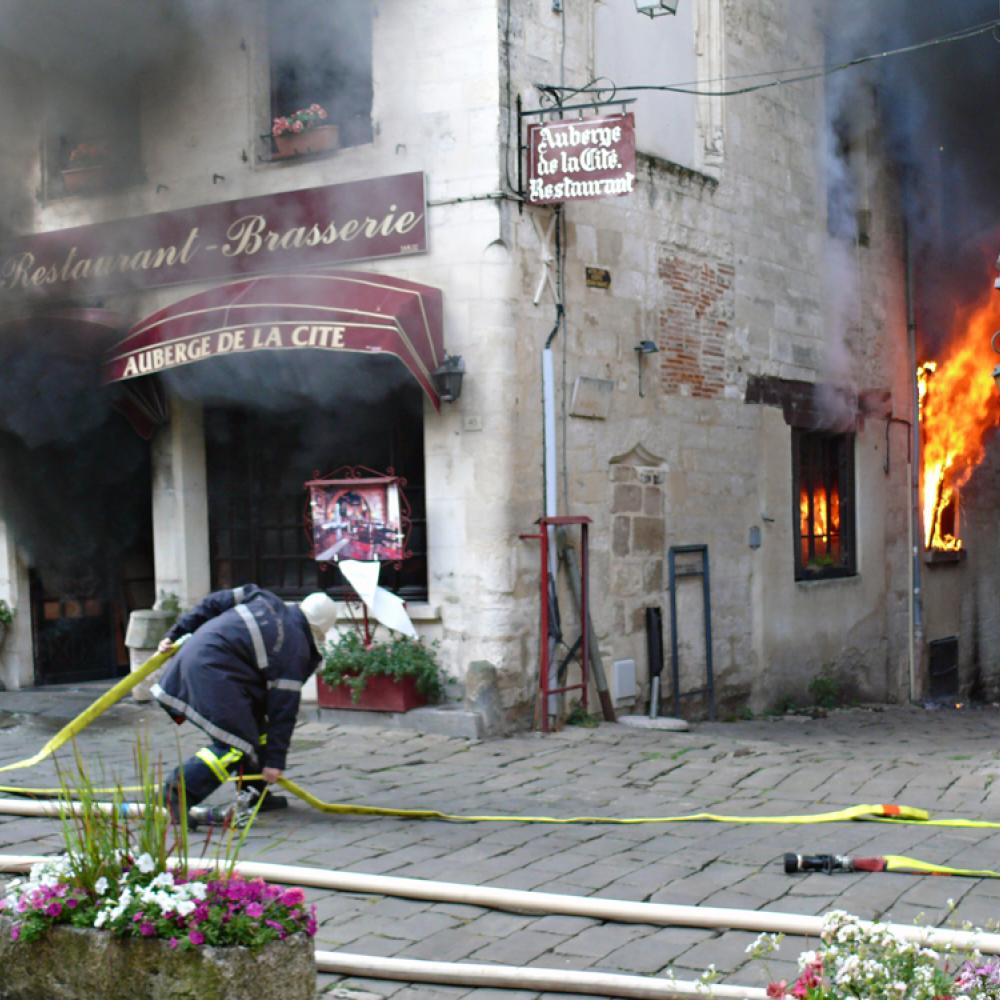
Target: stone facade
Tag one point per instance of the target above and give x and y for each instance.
(724, 262)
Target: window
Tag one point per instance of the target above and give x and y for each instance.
(321, 53)
(92, 135)
(631, 49)
(823, 496)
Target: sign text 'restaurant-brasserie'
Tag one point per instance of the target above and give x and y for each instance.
(361, 220)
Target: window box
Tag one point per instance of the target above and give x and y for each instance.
(380, 694)
(313, 140)
(86, 180)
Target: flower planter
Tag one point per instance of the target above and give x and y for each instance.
(86, 180)
(70, 963)
(380, 694)
(311, 140)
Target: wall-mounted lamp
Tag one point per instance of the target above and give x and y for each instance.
(448, 377)
(644, 347)
(656, 8)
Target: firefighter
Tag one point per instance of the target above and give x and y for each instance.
(238, 678)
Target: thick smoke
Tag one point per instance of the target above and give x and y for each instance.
(74, 477)
(934, 114)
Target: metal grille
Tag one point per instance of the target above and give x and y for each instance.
(823, 504)
(257, 466)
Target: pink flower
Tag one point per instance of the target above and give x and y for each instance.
(254, 910)
(777, 989)
(196, 937)
(291, 897)
(147, 929)
(173, 943)
(297, 126)
(53, 909)
(15, 932)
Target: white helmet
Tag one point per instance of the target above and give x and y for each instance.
(320, 611)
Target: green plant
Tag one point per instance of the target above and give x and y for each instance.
(350, 662)
(579, 716)
(169, 602)
(6, 612)
(824, 689)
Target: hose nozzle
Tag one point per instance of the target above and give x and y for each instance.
(828, 863)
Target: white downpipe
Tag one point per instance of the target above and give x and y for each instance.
(551, 500)
(603, 984)
(611, 910)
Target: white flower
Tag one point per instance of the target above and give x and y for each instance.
(164, 880)
(184, 907)
(101, 886)
(145, 864)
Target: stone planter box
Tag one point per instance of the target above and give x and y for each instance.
(75, 964)
(144, 632)
(380, 694)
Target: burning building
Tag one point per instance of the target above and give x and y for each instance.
(199, 319)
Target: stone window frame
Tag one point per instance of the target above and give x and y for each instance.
(834, 452)
(262, 104)
(710, 56)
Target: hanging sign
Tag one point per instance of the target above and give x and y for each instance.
(581, 159)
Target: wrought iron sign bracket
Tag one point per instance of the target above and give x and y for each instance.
(552, 104)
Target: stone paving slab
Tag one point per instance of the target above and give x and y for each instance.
(944, 761)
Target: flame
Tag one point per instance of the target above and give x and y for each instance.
(959, 405)
(825, 521)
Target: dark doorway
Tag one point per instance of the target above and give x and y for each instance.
(259, 461)
(75, 493)
(96, 568)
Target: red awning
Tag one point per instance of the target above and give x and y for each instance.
(334, 311)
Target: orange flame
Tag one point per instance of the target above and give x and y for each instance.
(959, 405)
(825, 526)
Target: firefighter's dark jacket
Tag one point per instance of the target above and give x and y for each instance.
(240, 674)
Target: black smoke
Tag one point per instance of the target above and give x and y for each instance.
(935, 114)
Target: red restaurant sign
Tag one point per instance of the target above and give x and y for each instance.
(581, 159)
(295, 230)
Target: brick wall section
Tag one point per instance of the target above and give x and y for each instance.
(694, 323)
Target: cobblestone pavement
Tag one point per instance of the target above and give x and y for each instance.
(944, 761)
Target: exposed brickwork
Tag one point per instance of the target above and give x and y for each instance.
(695, 322)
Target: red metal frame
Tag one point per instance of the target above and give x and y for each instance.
(544, 523)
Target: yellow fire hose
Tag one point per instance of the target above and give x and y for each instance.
(882, 813)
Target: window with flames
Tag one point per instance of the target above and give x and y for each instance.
(823, 491)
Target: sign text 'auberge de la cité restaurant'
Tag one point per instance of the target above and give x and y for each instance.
(581, 159)
(293, 230)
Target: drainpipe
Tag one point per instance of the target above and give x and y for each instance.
(916, 519)
(551, 500)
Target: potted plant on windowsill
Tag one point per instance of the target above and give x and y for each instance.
(304, 131)
(392, 676)
(88, 168)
